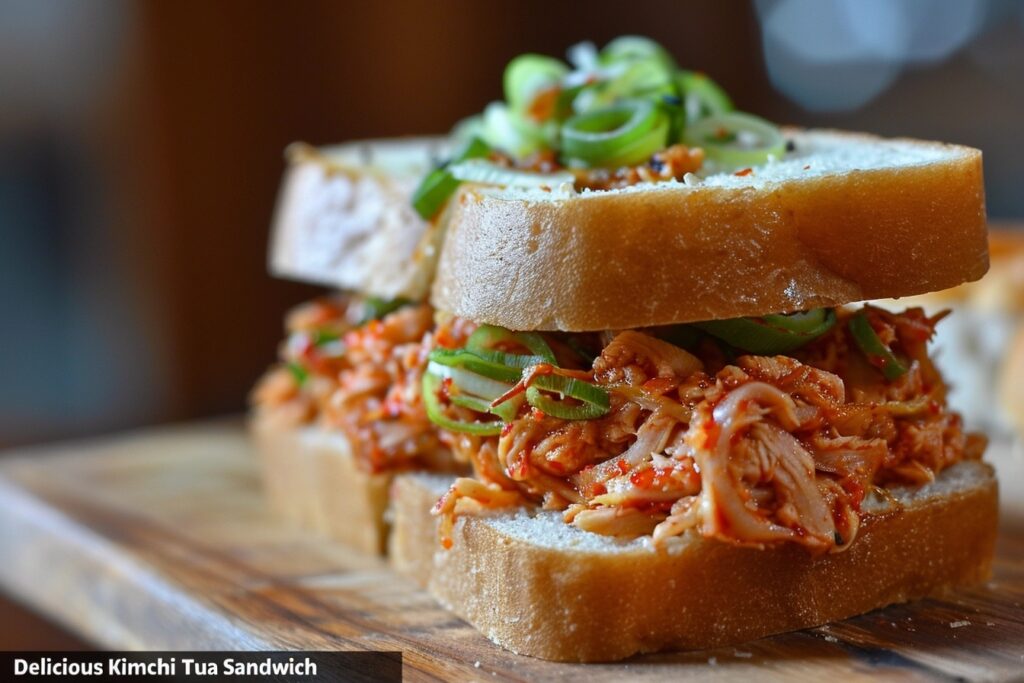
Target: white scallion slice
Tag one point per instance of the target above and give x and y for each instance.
(470, 382)
(487, 173)
(736, 139)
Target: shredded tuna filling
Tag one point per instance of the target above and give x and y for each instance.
(752, 450)
(362, 380)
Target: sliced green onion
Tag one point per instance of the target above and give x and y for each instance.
(593, 400)
(636, 48)
(509, 131)
(473, 148)
(431, 387)
(736, 139)
(537, 345)
(528, 75)
(440, 184)
(646, 80)
(486, 337)
(492, 366)
(328, 343)
(506, 410)
(321, 337)
(772, 334)
(433, 192)
(480, 405)
(471, 382)
(487, 173)
(375, 308)
(299, 373)
(880, 355)
(701, 96)
(624, 134)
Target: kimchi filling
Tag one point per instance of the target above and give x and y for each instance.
(361, 379)
(750, 449)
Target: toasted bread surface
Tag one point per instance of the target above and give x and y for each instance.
(344, 217)
(540, 587)
(845, 217)
(313, 481)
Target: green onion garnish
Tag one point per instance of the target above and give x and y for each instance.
(299, 373)
(486, 173)
(880, 355)
(480, 374)
(431, 387)
(491, 367)
(736, 139)
(486, 337)
(375, 308)
(624, 134)
(636, 48)
(593, 401)
(701, 96)
(528, 75)
(772, 334)
(434, 190)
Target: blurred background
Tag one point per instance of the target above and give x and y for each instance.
(141, 149)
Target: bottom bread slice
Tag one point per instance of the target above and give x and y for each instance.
(540, 587)
(312, 480)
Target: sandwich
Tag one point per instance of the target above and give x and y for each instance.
(339, 414)
(684, 430)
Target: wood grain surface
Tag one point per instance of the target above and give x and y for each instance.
(161, 540)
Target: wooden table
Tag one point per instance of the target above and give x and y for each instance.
(160, 540)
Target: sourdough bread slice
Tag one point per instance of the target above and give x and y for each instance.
(844, 217)
(344, 217)
(540, 587)
(313, 481)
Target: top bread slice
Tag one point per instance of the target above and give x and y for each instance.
(344, 217)
(843, 217)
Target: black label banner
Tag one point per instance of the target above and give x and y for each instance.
(244, 667)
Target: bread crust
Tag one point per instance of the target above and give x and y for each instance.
(580, 604)
(344, 218)
(615, 260)
(313, 481)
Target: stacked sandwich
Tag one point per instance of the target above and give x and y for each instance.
(680, 435)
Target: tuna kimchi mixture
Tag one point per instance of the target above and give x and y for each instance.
(355, 366)
(668, 431)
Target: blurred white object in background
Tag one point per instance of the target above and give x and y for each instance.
(838, 55)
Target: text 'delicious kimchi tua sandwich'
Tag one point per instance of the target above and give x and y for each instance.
(684, 430)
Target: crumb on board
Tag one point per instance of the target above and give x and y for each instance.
(959, 624)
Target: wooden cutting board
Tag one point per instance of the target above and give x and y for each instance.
(160, 540)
